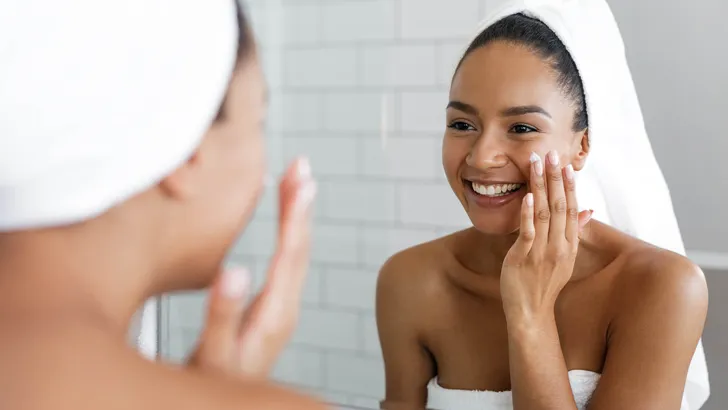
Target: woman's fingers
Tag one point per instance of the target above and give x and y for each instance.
(572, 205)
(584, 218)
(526, 235)
(248, 341)
(271, 321)
(218, 341)
(557, 199)
(287, 272)
(542, 216)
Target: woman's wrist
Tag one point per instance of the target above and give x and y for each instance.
(520, 320)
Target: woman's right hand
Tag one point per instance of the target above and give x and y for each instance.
(247, 341)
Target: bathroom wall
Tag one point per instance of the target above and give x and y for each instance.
(360, 87)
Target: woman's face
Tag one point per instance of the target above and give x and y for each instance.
(223, 181)
(505, 103)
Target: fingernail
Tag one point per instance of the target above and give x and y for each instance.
(306, 196)
(304, 168)
(553, 157)
(529, 199)
(235, 282)
(570, 172)
(588, 217)
(537, 165)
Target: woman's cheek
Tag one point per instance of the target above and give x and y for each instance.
(524, 156)
(453, 155)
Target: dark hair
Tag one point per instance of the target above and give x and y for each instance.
(245, 47)
(538, 37)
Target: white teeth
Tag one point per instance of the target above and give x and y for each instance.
(495, 190)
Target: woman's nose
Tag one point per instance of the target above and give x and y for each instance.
(484, 156)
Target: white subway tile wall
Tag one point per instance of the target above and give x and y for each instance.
(360, 87)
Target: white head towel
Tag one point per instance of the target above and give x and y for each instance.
(620, 149)
(99, 99)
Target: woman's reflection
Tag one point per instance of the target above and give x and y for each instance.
(537, 306)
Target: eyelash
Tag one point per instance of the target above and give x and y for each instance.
(528, 129)
(455, 125)
(516, 129)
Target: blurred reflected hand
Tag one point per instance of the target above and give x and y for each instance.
(242, 341)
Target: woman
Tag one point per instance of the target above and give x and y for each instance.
(130, 158)
(537, 306)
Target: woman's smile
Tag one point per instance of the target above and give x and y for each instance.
(493, 194)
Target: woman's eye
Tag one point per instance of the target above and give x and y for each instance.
(522, 129)
(461, 126)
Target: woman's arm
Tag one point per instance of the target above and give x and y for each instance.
(534, 272)
(539, 377)
(408, 366)
(660, 317)
(660, 306)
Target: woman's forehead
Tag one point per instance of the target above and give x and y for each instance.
(503, 74)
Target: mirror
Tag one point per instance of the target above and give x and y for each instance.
(360, 87)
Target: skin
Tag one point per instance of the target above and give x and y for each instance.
(68, 293)
(522, 297)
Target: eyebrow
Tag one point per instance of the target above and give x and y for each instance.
(508, 112)
(524, 109)
(461, 106)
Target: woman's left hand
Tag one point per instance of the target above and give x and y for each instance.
(244, 341)
(541, 262)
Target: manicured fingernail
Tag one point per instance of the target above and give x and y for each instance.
(553, 158)
(570, 172)
(537, 164)
(235, 282)
(529, 199)
(304, 168)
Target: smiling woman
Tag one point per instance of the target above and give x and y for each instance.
(537, 306)
(515, 91)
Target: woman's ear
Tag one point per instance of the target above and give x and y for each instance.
(183, 181)
(581, 150)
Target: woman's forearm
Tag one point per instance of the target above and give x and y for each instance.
(539, 377)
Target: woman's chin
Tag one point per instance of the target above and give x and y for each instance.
(494, 226)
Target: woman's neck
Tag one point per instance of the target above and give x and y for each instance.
(81, 272)
(482, 253)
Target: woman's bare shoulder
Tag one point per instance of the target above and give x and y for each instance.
(650, 277)
(662, 272)
(412, 283)
(74, 366)
(640, 264)
(418, 268)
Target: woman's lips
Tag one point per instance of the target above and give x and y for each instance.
(491, 195)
